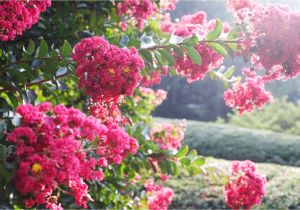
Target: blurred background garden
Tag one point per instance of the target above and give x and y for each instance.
(149, 104)
(269, 136)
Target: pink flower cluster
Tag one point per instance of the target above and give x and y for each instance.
(246, 186)
(107, 111)
(106, 71)
(245, 96)
(19, 15)
(186, 67)
(235, 5)
(273, 37)
(139, 9)
(188, 25)
(168, 136)
(166, 5)
(53, 146)
(154, 98)
(154, 77)
(158, 197)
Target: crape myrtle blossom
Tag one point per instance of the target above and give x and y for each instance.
(188, 25)
(168, 136)
(19, 15)
(246, 187)
(141, 10)
(158, 197)
(245, 96)
(272, 35)
(104, 70)
(52, 148)
(153, 98)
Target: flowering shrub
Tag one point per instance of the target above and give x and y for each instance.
(139, 9)
(54, 157)
(186, 67)
(188, 25)
(58, 156)
(104, 70)
(244, 97)
(246, 187)
(158, 197)
(17, 16)
(168, 136)
(267, 41)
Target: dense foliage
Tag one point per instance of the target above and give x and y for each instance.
(75, 129)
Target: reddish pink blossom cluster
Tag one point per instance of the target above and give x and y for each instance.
(107, 111)
(53, 156)
(188, 25)
(273, 37)
(187, 68)
(244, 97)
(154, 98)
(154, 77)
(19, 15)
(246, 187)
(106, 71)
(168, 136)
(235, 5)
(158, 197)
(166, 5)
(139, 9)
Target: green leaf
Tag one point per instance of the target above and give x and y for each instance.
(193, 54)
(191, 41)
(13, 99)
(182, 152)
(175, 169)
(216, 32)
(93, 19)
(185, 161)
(159, 58)
(167, 56)
(43, 48)
(234, 33)
(218, 48)
(193, 154)
(194, 171)
(230, 49)
(212, 74)
(229, 72)
(146, 55)
(3, 126)
(30, 47)
(3, 152)
(199, 161)
(177, 50)
(66, 49)
(163, 166)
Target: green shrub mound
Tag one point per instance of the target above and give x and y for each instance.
(234, 143)
(198, 193)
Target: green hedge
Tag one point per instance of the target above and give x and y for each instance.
(234, 143)
(283, 190)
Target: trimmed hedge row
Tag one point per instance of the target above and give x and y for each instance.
(234, 143)
(198, 193)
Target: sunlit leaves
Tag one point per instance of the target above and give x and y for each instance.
(216, 32)
(30, 47)
(167, 56)
(66, 49)
(43, 48)
(193, 54)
